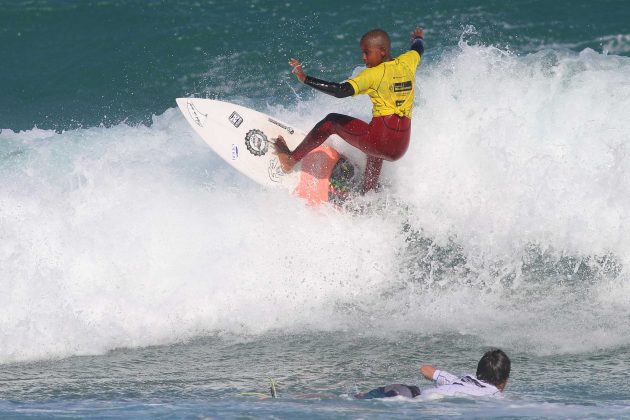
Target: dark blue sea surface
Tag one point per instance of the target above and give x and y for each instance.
(142, 276)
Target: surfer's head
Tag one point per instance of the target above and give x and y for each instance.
(376, 47)
(494, 368)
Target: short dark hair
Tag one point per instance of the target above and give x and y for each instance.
(379, 36)
(494, 367)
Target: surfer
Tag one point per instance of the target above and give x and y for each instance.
(493, 371)
(389, 82)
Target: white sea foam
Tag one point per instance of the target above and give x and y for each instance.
(615, 44)
(133, 236)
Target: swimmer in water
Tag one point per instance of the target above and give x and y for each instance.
(493, 371)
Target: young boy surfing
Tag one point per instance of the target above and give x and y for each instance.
(390, 85)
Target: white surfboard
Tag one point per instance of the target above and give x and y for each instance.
(244, 138)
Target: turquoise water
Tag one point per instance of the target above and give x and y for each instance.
(69, 64)
(143, 277)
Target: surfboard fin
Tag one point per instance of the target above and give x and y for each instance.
(272, 389)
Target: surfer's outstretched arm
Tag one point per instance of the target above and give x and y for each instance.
(338, 90)
(417, 41)
(440, 377)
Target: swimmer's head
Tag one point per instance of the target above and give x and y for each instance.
(375, 47)
(494, 368)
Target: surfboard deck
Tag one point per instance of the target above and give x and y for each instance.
(244, 138)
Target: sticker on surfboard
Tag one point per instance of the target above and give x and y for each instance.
(256, 142)
(235, 119)
(275, 170)
(279, 124)
(197, 116)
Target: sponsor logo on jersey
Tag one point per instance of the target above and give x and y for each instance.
(234, 151)
(402, 86)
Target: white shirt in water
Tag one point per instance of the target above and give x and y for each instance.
(448, 384)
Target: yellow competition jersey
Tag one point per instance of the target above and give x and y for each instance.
(390, 85)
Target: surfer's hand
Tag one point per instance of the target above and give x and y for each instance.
(297, 69)
(417, 33)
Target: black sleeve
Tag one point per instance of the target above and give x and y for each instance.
(338, 90)
(418, 46)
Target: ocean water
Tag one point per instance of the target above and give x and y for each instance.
(140, 276)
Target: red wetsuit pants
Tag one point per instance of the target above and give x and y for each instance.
(384, 138)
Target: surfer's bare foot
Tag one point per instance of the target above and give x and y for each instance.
(286, 162)
(284, 154)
